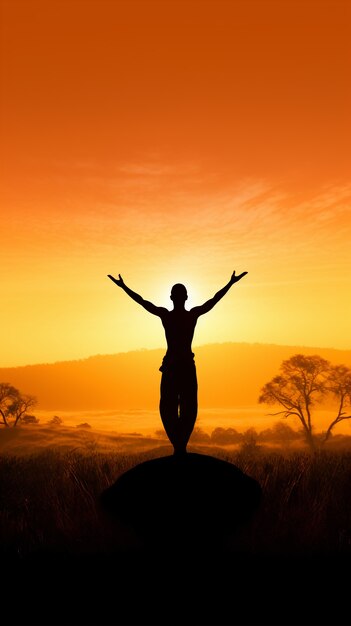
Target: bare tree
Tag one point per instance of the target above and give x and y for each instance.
(339, 385)
(13, 404)
(8, 394)
(302, 384)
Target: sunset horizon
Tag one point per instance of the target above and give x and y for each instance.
(120, 392)
(162, 349)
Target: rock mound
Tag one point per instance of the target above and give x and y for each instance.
(183, 499)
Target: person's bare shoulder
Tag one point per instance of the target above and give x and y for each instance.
(162, 311)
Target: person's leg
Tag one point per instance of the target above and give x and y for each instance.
(169, 406)
(188, 405)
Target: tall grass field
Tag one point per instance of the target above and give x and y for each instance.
(65, 562)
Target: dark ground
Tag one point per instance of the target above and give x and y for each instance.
(185, 567)
(149, 588)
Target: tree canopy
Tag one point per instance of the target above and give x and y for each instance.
(304, 382)
(14, 405)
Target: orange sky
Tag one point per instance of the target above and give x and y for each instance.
(173, 141)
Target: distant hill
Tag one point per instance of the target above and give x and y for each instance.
(229, 375)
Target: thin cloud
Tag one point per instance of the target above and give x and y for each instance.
(254, 219)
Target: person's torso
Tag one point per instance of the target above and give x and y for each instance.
(179, 328)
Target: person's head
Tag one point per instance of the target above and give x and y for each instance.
(179, 294)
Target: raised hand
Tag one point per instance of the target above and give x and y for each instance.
(234, 279)
(119, 281)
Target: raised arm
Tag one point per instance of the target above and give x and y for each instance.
(207, 306)
(151, 308)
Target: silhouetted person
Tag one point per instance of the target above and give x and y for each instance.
(178, 400)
